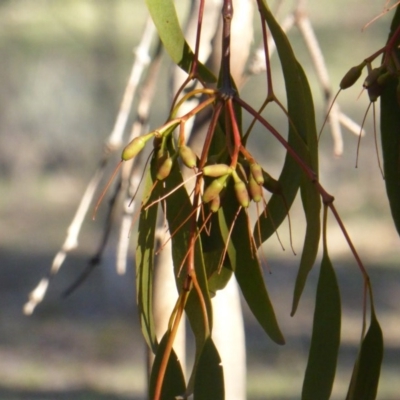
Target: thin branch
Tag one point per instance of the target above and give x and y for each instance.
(114, 140)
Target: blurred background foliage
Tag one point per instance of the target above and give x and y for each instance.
(63, 69)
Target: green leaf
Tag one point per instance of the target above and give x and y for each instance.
(325, 340)
(246, 266)
(310, 198)
(174, 380)
(166, 21)
(312, 207)
(303, 139)
(302, 127)
(178, 208)
(367, 368)
(390, 136)
(145, 263)
(209, 380)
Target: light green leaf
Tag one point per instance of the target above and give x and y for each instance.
(166, 21)
(209, 380)
(325, 340)
(174, 380)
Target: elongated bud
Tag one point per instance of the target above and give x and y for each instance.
(164, 169)
(216, 170)
(135, 146)
(242, 195)
(188, 156)
(215, 204)
(214, 188)
(375, 82)
(255, 189)
(257, 173)
(351, 76)
(375, 91)
(372, 77)
(271, 184)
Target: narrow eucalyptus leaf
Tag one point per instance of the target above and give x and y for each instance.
(366, 372)
(174, 381)
(166, 21)
(247, 269)
(390, 137)
(145, 264)
(312, 207)
(209, 379)
(325, 339)
(178, 208)
(301, 129)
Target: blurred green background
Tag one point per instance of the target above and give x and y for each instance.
(63, 69)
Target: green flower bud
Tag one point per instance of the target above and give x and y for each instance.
(214, 188)
(188, 156)
(351, 76)
(372, 77)
(255, 189)
(216, 170)
(164, 168)
(242, 195)
(215, 204)
(135, 146)
(257, 173)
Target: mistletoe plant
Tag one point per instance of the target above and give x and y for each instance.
(209, 226)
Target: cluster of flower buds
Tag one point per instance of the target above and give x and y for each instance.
(163, 158)
(248, 182)
(375, 81)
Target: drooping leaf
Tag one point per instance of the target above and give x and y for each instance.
(209, 379)
(311, 200)
(390, 136)
(325, 340)
(213, 249)
(166, 21)
(367, 368)
(312, 206)
(174, 381)
(178, 208)
(145, 263)
(302, 123)
(247, 269)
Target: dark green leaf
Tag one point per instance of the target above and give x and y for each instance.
(178, 208)
(209, 379)
(310, 198)
(312, 207)
(145, 264)
(365, 377)
(302, 126)
(174, 380)
(166, 21)
(390, 136)
(245, 264)
(325, 340)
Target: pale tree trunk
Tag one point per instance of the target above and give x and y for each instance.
(228, 328)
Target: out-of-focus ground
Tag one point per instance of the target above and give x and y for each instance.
(62, 72)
